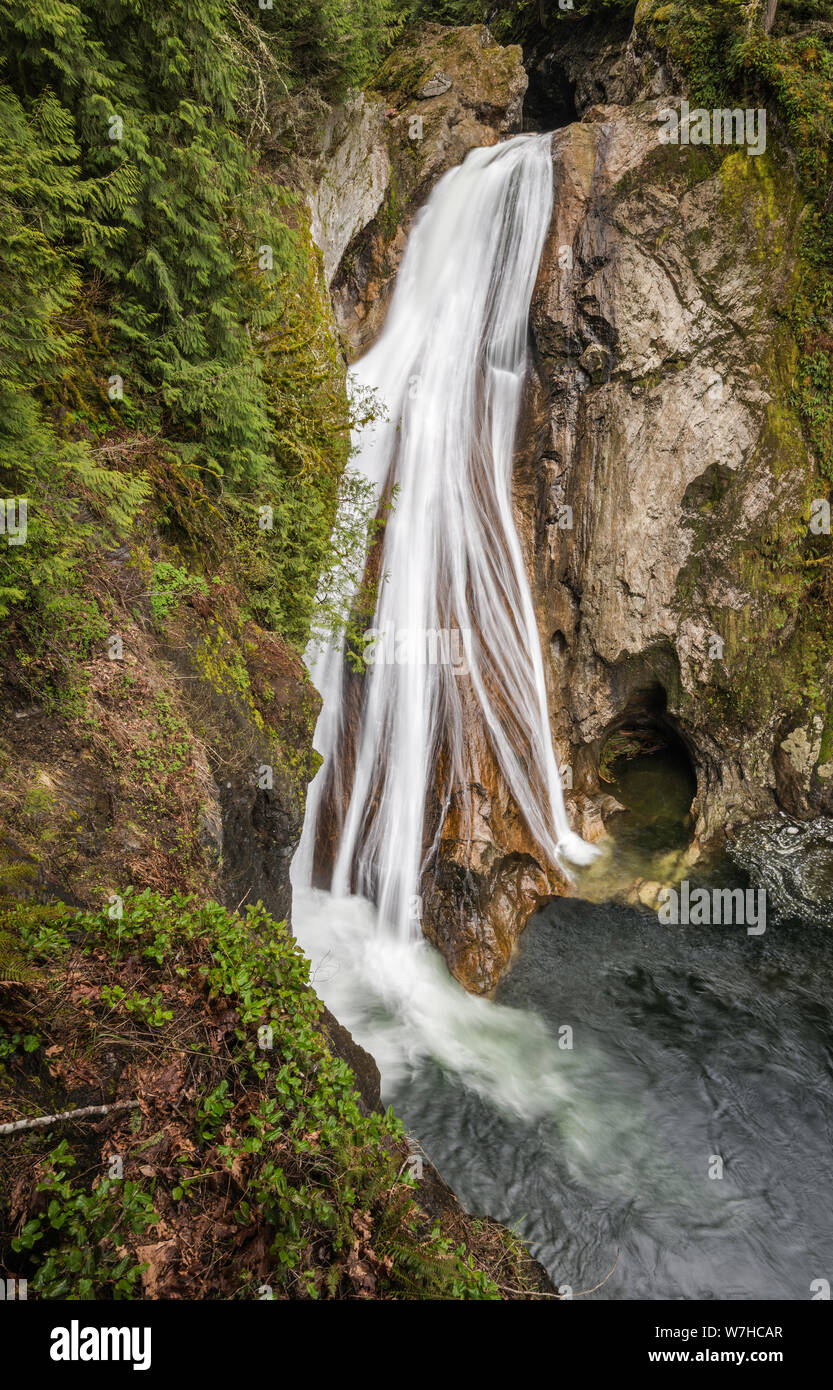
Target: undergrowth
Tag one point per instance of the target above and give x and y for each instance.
(249, 1166)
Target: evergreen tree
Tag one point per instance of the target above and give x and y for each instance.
(155, 283)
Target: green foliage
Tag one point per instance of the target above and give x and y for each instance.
(308, 532)
(42, 199)
(82, 1232)
(174, 254)
(168, 748)
(41, 929)
(516, 21)
(166, 339)
(320, 1170)
(45, 204)
(13, 966)
(212, 1111)
(334, 44)
(147, 1008)
(169, 584)
(10, 1043)
(451, 11)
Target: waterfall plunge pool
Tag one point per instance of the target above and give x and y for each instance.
(695, 1050)
(688, 1043)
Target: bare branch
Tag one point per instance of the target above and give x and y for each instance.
(42, 1121)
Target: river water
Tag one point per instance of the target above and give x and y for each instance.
(695, 1050)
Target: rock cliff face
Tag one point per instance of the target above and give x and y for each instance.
(666, 482)
(442, 93)
(663, 484)
(169, 777)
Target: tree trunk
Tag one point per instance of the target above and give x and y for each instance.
(761, 12)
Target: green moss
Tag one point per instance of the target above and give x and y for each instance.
(671, 166)
(758, 196)
(826, 749)
(220, 661)
(391, 214)
(401, 76)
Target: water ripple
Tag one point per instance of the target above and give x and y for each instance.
(793, 861)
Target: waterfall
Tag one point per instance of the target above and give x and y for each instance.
(454, 607)
(454, 628)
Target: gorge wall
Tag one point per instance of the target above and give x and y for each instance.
(663, 482)
(669, 482)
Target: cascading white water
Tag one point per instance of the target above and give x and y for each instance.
(449, 369)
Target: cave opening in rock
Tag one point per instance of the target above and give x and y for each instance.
(647, 766)
(559, 645)
(550, 100)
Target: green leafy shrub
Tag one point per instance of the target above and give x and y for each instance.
(321, 1168)
(86, 1230)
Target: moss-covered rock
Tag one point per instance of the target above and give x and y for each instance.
(444, 91)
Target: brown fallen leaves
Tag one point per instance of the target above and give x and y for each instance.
(92, 1052)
